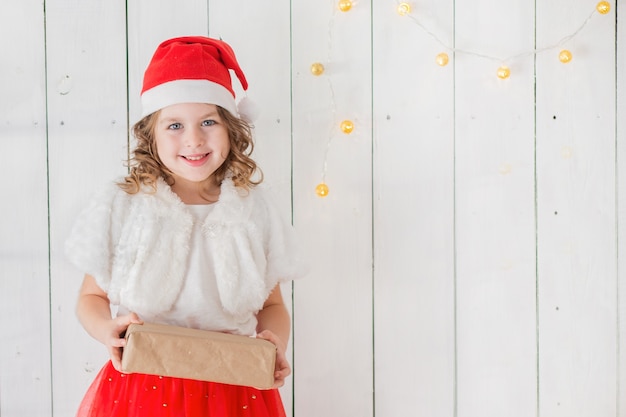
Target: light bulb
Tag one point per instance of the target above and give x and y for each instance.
(345, 5)
(321, 190)
(404, 9)
(504, 72)
(347, 126)
(565, 56)
(566, 152)
(317, 69)
(442, 59)
(603, 7)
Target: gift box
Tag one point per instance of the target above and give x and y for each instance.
(199, 354)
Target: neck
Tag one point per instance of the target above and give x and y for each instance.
(203, 192)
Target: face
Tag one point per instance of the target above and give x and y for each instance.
(192, 141)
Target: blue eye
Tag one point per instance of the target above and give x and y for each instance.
(175, 126)
(208, 123)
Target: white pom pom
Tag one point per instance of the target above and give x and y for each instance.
(248, 110)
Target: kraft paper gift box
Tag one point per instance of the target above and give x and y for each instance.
(199, 354)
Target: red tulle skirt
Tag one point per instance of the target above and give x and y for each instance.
(113, 394)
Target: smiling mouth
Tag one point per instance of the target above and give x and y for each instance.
(195, 157)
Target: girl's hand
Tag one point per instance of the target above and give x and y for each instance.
(115, 341)
(94, 312)
(282, 370)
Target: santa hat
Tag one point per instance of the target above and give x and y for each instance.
(192, 70)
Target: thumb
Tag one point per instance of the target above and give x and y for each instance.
(134, 318)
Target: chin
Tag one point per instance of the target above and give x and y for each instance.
(192, 178)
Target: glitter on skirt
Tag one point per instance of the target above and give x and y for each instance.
(113, 394)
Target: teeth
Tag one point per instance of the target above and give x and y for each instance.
(195, 158)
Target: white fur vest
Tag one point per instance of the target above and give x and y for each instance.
(136, 247)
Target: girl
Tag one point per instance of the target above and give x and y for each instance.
(185, 239)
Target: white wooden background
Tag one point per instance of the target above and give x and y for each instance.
(468, 259)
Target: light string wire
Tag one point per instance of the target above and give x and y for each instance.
(433, 35)
(494, 58)
(333, 105)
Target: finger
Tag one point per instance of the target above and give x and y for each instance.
(268, 335)
(116, 358)
(283, 369)
(134, 318)
(118, 342)
(280, 377)
(271, 337)
(127, 319)
(117, 364)
(121, 323)
(282, 362)
(279, 380)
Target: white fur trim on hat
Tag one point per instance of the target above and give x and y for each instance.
(187, 91)
(248, 110)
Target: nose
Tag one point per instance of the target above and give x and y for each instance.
(194, 137)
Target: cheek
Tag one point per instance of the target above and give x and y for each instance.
(226, 150)
(225, 145)
(161, 147)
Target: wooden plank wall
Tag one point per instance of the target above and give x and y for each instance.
(467, 260)
(577, 189)
(25, 376)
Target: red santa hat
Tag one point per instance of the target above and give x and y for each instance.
(192, 70)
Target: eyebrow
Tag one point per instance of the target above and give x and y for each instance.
(171, 119)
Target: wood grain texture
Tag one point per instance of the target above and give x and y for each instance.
(620, 149)
(576, 196)
(413, 218)
(24, 278)
(333, 307)
(494, 213)
(86, 78)
(467, 260)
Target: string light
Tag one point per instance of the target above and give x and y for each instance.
(404, 9)
(347, 127)
(345, 5)
(565, 56)
(503, 72)
(321, 190)
(317, 69)
(566, 152)
(442, 59)
(603, 7)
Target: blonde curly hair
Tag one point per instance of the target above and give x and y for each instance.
(146, 166)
